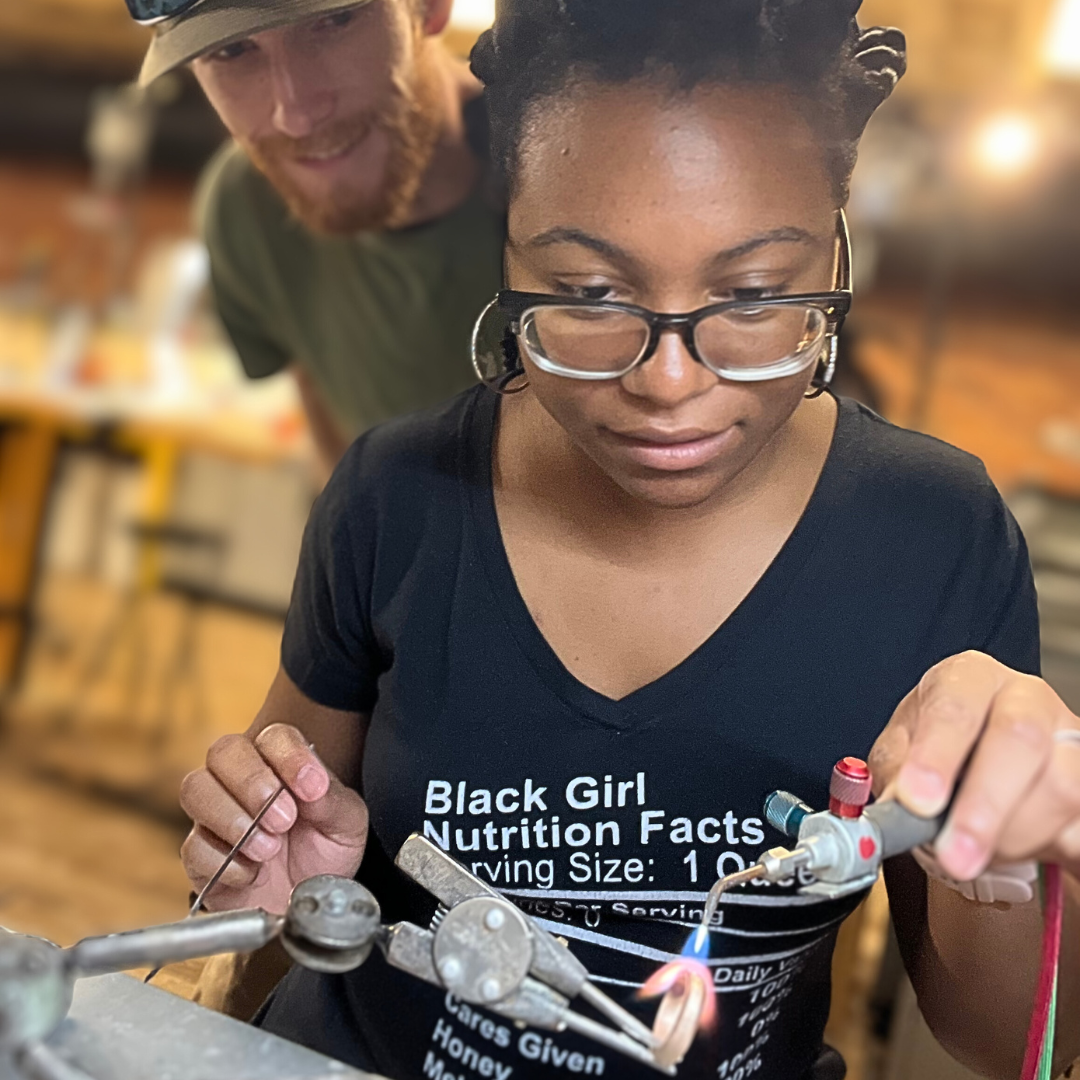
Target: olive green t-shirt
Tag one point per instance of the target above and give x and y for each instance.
(381, 320)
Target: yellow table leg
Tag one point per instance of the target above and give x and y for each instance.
(160, 458)
(27, 455)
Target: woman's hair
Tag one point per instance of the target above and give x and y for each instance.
(838, 72)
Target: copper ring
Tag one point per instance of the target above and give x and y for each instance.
(678, 1019)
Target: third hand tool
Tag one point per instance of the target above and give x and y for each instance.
(487, 952)
(482, 949)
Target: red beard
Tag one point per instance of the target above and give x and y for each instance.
(412, 124)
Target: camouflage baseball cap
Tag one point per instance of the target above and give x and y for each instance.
(213, 24)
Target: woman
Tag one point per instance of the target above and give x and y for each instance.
(576, 633)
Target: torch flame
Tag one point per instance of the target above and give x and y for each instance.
(697, 945)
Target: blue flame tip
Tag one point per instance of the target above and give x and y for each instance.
(692, 950)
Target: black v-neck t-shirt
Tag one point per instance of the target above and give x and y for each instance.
(607, 820)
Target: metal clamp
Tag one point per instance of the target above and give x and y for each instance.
(487, 952)
(331, 925)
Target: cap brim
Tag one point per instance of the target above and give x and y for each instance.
(214, 24)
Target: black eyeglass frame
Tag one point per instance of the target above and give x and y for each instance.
(835, 304)
(517, 305)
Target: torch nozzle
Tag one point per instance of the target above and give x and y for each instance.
(698, 945)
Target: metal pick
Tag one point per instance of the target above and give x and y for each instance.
(227, 862)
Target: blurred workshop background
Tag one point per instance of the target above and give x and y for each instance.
(152, 499)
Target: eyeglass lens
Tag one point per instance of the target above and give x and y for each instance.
(599, 340)
(586, 339)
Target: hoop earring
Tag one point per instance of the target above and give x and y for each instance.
(826, 369)
(496, 358)
(514, 384)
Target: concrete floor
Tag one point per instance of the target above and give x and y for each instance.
(90, 828)
(74, 865)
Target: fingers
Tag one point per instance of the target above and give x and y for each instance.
(250, 780)
(1045, 821)
(890, 750)
(287, 752)
(1013, 753)
(975, 724)
(945, 718)
(329, 820)
(223, 799)
(340, 816)
(214, 810)
(202, 853)
(326, 804)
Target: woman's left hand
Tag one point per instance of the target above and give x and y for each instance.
(1020, 795)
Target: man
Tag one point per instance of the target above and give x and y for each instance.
(350, 234)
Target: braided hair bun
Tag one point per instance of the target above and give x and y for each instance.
(537, 48)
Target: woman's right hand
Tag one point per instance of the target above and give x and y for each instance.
(316, 826)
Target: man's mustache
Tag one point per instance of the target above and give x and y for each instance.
(336, 135)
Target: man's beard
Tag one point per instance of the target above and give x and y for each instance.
(411, 123)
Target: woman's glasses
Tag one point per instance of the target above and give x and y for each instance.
(742, 340)
(586, 339)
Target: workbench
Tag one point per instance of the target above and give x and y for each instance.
(119, 1029)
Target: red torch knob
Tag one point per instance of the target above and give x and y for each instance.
(849, 790)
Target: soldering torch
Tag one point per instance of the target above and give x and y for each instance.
(842, 847)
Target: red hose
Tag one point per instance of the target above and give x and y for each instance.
(1038, 1032)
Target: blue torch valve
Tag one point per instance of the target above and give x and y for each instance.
(785, 812)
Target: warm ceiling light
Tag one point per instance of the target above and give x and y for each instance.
(1007, 145)
(473, 15)
(1063, 40)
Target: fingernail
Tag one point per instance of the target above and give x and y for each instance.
(279, 816)
(960, 853)
(922, 789)
(262, 846)
(311, 782)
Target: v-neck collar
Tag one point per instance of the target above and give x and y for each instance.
(655, 700)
